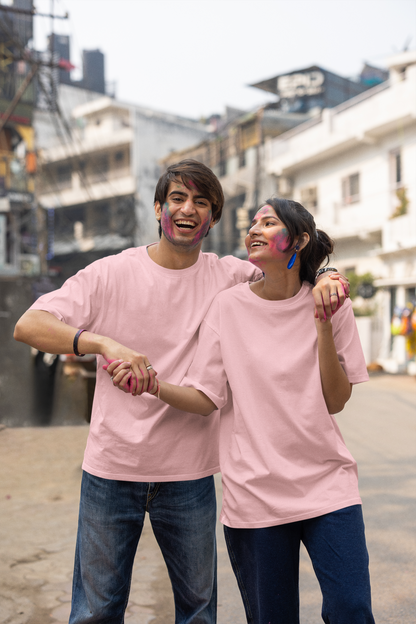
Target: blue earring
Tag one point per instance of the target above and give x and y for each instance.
(293, 258)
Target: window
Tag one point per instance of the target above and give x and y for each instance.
(64, 174)
(399, 197)
(396, 168)
(100, 164)
(309, 198)
(97, 219)
(351, 189)
(249, 135)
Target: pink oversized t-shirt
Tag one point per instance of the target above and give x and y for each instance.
(282, 455)
(158, 312)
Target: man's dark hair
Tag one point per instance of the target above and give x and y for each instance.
(192, 174)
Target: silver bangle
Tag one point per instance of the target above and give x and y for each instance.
(324, 270)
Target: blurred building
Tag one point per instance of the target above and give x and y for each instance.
(353, 166)
(17, 150)
(93, 65)
(235, 151)
(316, 88)
(97, 185)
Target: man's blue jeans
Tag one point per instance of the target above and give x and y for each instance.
(183, 517)
(266, 564)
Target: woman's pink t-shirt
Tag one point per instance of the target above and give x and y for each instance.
(282, 455)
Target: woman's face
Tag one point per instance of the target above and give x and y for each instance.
(267, 238)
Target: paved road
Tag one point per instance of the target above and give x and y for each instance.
(41, 469)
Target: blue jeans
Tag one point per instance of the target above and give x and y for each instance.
(183, 517)
(266, 564)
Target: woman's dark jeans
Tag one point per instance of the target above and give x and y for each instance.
(266, 565)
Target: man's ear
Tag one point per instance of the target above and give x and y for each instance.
(158, 210)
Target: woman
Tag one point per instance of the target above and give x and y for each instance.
(287, 474)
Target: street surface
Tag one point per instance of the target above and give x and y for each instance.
(41, 470)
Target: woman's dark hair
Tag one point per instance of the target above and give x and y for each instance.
(298, 220)
(193, 174)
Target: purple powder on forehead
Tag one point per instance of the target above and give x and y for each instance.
(192, 184)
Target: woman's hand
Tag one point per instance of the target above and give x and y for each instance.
(133, 378)
(329, 294)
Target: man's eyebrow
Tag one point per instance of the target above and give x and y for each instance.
(200, 196)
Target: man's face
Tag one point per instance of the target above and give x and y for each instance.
(185, 217)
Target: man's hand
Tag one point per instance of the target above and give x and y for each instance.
(129, 369)
(329, 294)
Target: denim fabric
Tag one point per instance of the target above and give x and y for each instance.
(266, 564)
(183, 517)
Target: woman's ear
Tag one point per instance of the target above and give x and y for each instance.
(303, 240)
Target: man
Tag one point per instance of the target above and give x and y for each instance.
(145, 306)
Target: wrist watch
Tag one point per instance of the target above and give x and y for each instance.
(324, 270)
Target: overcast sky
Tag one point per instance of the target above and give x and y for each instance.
(194, 57)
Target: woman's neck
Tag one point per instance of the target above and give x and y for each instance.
(277, 284)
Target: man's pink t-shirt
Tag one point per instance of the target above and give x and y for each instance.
(282, 455)
(157, 312)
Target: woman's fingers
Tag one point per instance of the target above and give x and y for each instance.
(134, 377)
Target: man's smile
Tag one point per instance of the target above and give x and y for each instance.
(185, 224)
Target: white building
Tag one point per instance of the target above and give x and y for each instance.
(354, 168)
(98, 180)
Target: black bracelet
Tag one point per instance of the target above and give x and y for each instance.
(76, 337)
(324, 270)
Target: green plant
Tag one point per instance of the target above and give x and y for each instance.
(401, 209)
(361, 283)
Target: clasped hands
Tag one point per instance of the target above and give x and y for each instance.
(134, 377)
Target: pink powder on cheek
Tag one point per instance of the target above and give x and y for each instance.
(279, 244)
(203, 229)
(166, 221)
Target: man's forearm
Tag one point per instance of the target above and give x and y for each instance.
(45, 332)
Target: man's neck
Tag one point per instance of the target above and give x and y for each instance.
(171, 256)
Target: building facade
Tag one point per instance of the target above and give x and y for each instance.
(353, 167)
(236, 149)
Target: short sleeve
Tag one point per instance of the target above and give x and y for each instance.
(348, 344)
(242, 270)
(78, 302)
(206, 372)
